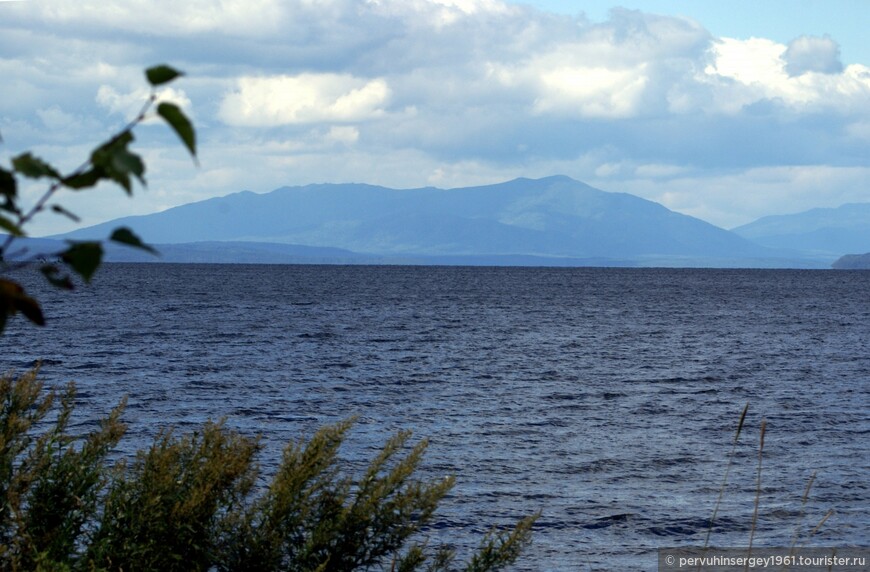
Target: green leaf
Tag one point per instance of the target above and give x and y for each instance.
(34, 167)
(83, 180)
(8, 186)
(126, 236)
(10, 227)
(180, 123)
(83, 257)
(57, 278)
(131, 163)
(8, 191)
(114, 161)
(158, 75)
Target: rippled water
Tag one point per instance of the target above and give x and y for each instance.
(606, 398)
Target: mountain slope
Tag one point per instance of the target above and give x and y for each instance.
(853, 262)
(551, 217)
(828, 231)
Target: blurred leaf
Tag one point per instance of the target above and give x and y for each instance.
(30, 308)
(114, 161)
(84, 258)
(10, 289)
(10, 227)
(158, 75)
(34, 167)
(83, 180)
(13, 299)
(126, 236)
(180, 123)
(129, 164)
(8, 187)
(62, 211)
(57, 278)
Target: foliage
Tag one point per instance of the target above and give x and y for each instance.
(195, 501)
(111, 161)
(192, 502)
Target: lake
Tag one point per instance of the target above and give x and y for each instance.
(606, 398)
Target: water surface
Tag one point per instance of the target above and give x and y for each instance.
(606, 398)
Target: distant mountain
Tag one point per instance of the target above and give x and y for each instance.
(545, 219)
(826, 232)
(853, 262)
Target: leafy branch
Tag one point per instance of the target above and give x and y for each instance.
(111, 161)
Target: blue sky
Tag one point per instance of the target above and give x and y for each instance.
(724, 111)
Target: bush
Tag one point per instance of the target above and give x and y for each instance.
(191, 502)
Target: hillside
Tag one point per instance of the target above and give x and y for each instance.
(830, 232)
(853, 262)
(555, 217)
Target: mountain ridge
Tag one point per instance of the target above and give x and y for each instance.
(550, 218)
(825, 231)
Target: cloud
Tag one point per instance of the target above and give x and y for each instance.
(450, 92)
(745, 72)
(812, 54)
(591, 92)
(734, 198)
(656, 171)
(622, 68)
(163, 17)
(306, 98)
(129, 103)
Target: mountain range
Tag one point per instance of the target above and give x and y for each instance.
(823, 232)
(550, 221)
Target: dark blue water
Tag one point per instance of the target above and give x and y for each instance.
(606, 398)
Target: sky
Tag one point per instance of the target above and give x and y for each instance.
(723, 111)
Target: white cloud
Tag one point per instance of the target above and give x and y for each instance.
(165, 17)
(306, 98)
(473, 6)
(755, 61)
(54, 118)
(619, 69)
(440, 13)
(748, 71)
(129, 103)
(344, 134)
(591, 92)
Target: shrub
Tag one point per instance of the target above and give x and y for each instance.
(191, 502)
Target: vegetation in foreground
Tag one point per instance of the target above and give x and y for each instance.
(192, 502)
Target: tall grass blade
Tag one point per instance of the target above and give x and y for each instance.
(725, 478)
(757, 492)
(828, 515)
(802, 513)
